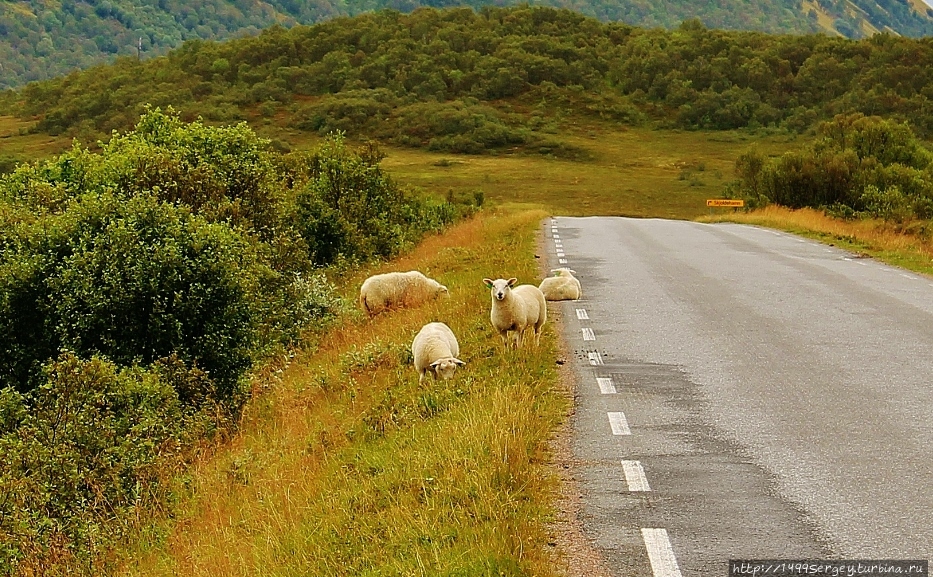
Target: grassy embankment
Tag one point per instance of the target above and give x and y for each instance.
(872, 238)
(347, 466)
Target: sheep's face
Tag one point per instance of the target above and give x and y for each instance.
(441, 290)
(445, 368)
(500, 288)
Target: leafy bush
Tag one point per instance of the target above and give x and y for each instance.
(859, 165)
(888, 204)
(133, 280)
(352, 111)
(347, 207)
(81, 456)
(456, 127)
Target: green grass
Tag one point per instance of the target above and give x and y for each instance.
(634, 172)
(15, 141)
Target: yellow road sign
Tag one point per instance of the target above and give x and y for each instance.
(724, 202)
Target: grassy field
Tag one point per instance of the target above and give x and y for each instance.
(16, 142)
(634, 172)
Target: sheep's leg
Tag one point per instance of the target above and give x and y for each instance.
(421, 376)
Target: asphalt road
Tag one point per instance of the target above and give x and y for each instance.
(745, 394)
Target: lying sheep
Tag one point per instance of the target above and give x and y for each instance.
(561, 287)
(397, 289)
(435, 349)
(516, 310)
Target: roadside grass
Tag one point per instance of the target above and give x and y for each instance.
(910, 247)
(347, 466)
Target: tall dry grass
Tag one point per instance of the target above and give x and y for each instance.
(909, 246)
(348, 466)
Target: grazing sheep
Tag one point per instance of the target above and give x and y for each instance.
(516, 309)
(435, 349)
(563, 286)
(397, 289)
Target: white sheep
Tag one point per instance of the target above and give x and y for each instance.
(435, 349)
(516, 309)
(397, 289)
(561, 287)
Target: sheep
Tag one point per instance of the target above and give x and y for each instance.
(384, 291)
(561, 287)
(435, 349)
(516, 309)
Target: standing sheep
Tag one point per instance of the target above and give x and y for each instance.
(561, 287)
(516, 309)
(397, 289)
(435, 349)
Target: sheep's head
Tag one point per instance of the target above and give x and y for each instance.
(445, 368)
(500, 288)
(441, 290)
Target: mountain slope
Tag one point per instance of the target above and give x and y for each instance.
(41, 39)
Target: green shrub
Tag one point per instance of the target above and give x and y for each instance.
(347, 207)
(858, 165)
(458, 126)
(352, 111)
(81, 456)
(888, 204)
(134, 280)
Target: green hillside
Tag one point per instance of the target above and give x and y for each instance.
(460, 81)
(41, 39)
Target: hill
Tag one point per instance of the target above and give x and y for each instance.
(41, 40)
(502, 79)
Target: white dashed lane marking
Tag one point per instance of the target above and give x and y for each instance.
(635, 476)
(562, 260)
(582, 315)
(605, 385)
(560, 254)
(660, 553)
(595, 358)
(588, 334)
(619, 424)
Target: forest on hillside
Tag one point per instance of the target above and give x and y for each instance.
(41, 40)
(466, 81)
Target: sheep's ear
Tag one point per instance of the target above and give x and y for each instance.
(435, 363)
(487, 282)
(443, 289)
(512, 281)
(459, 362)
